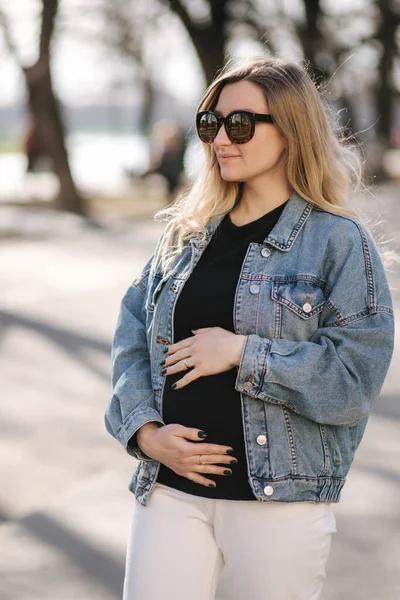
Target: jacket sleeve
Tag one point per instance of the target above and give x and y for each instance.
(336, 376)
(132, 400)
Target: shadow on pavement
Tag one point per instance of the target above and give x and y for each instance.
(99, 566)
(73, 343)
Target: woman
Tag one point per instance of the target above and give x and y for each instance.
(249, 352)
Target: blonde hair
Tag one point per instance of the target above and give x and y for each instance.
(320, 166)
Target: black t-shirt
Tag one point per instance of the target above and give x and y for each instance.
(211, 403)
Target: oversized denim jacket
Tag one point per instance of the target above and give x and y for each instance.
(314, 303)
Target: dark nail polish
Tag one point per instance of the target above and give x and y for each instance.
(163, 371)
(212, 485)
(202, 434)
(230, 451)
(227, 472)
(173, 385)
(165, 350)
(163, 362)
(233, 462)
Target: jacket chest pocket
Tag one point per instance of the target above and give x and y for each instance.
(298, 308)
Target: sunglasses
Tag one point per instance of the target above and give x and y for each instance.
(239, 125)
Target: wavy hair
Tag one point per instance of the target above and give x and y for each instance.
(320, 164)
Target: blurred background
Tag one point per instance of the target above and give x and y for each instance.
(97, 104)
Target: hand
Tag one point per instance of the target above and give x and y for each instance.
(211, 350)
(170, 445)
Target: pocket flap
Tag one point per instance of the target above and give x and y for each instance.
(303, 297)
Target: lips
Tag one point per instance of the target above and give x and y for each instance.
(227, 156)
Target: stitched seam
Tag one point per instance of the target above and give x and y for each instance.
(264, 366)
(325, 445)
(305, 477)
(361, 315)
(368, 267)
(286, 278)
(335, 311)
(289, 431)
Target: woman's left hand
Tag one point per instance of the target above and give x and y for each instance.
(209, 351)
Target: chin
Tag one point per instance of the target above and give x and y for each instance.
(230, 176)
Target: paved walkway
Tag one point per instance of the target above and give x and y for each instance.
(64, 504)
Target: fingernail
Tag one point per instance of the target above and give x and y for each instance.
(165, 350)
(233, 462)
(163, 371)
(202, 434)
(163, 362)
(227, 472)
(212, 485)
(230, 451)
(174, 384)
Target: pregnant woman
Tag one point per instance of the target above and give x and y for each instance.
(250, 351)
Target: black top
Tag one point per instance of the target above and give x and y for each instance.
(211, 403)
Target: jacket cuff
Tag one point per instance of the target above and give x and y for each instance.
(253, 364)
(127, 437)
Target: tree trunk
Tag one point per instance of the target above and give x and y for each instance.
(209, 39)
(385, 92)
(46, 114)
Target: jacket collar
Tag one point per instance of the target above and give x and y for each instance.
(285, 231)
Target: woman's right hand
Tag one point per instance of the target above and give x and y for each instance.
(173, 446)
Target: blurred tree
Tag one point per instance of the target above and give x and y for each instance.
(44, 107)
(387, 93)
(127, 24)
(332, 38)
(211, 26)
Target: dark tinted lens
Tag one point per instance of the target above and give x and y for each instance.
(207, 127)
(240, 127)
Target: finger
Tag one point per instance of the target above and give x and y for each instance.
(212, 469)
(179, 345)
(201, 329)
(177, 356)
(188, 378)
(201, 447)
(176, 367)
(205, 448)
(201, 480)
(211, 459)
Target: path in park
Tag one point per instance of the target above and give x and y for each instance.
(64, 504)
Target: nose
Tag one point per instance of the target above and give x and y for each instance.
(221, 139)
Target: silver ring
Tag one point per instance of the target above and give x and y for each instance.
(186, 365)
(200, 461)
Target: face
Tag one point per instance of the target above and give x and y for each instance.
(259, 156)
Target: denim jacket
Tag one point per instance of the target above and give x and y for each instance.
(314, 303)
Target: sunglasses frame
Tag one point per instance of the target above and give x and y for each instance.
(254, 117)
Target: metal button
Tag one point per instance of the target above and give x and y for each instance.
(307, 307)
(268, 490)
(247, 386)
(265, 252)
(254, 289)
(261, 440)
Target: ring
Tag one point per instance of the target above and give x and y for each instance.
(186, 365)
(200, 461)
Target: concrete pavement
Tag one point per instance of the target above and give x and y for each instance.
(64, 504)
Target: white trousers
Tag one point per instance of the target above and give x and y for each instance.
(182, 546)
